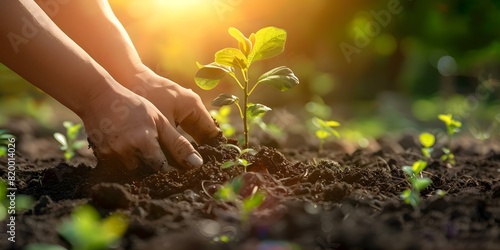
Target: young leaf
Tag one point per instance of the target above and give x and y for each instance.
(420, 184)
(79, 144)
(281, 78)
(210, 75)
(427, 139)
(243, 43)
(229, 164)
(250, 151)
(269, 42)
(231, 57)
(73, 131)
(409, 171)
(257, 110)
(114, 227)
(253, 202)
(419, 166)
(62, 140)
(224, 99)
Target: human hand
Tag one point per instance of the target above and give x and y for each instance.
(125, 127)
(179, 105)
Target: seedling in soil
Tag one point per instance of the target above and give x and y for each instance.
(325, 130)
(239, 161)
(4, 140)
(264, 44)
(452, 127)
(229, 192)
(427, 140)
(70, 142)
(86, 231)
(418, 183)
(8, 206)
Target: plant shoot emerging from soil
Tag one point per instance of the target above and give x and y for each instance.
(70, 142)
(427, 140)
(325, 130)
(239, 161)
(264, 44)
(418, 183)
(229, 192)
(452, 127)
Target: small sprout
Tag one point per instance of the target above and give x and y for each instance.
(238, 161)
(265, 43)
(4, 140)
(452, 127)
(222, 117)
(427, 140)
(418, 183)
(229, 192)
(86, 231)
(325, 130)
(23, 202)
(441, 193)
(70, 142)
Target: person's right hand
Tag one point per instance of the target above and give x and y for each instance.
(126, 127)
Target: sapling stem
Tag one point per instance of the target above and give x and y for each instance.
(245, 108)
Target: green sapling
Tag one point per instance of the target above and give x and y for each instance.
(427, 140)
(324, 130)
(452, 127)
(239, 161)
(264, 44)
(70, 142)
(417, 181)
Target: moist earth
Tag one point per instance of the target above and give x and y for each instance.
(331, 199)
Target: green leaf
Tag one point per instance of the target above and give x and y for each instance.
(427, 139)
(281, 78)
(225, 193)
(254, 201)
(236, 184)
(257, 110)
(408, 170)
(250, 151)
(419, 166)
(62, 140)
(68, 154)
(231, 57)
(3, 212)
(24, 202)
(243, 162)
(79, 144)
(67, 124)
(3, 151)
(208, 76)
(420, 184)
(224, 99)
(243, 43)
(114, 227)
(269, 42)
(426, 152)
(229, 145)
(322, 134)
(229, 164)
(73, 131)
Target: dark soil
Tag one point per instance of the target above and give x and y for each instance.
(327, 200)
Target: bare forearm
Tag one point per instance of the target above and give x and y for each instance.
(35, 48)
(93, 26)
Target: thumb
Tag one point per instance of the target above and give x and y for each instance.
(178, 146)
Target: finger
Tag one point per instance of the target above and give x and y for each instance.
(196, 120)
(179, 147)
(154, 157)
(125, 154)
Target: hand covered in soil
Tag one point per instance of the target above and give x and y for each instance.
(125, 127)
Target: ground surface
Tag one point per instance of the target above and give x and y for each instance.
(327, 200)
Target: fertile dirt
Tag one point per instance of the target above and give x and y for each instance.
(331, 199)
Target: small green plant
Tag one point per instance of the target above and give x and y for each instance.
(8, 206)
(4, 140)
(324, 130)
(222, 117)
(264, 44)
(229, 192)
(427, 140)
(452, 127)
(70, 142)
(239, 161)
(418, 183)
(86, 231)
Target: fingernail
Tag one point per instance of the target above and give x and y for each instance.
(194, 160)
